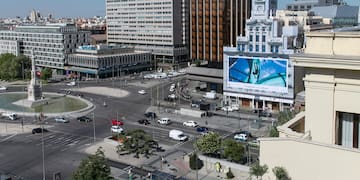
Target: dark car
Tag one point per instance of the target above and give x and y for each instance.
(262, 113)
(150, 114)
(39, 130)
(84, 119)
(143, 121)
(202, 130)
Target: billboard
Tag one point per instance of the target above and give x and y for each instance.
(257, 73)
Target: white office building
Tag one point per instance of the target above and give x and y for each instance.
(151, 25)
(9, 46)
(51, 43)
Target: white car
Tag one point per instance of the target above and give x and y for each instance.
(190, 124)
(72, 83)
(227, 108)
(235, 107)
(3, 88)
(61, 119)
(116, 129)
(241, 137)
(172, 96)
(142, 92)
(164, 121)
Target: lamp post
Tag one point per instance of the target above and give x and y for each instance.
(93, 114)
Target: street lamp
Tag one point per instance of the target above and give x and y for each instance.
(93, 114)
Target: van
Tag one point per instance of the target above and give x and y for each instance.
(164, 121)
(177, 135)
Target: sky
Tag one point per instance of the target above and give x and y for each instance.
(74, 8)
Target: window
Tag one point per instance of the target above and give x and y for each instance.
(263, 48)
(257, 38)
(243, 48)
(347, 129)
(251, 38)
(263, 38)
(276, 49)
(257, 48)
(250, 48)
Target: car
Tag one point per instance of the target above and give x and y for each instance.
(116, 122)
(61, 119)
(262, 113)
(227, 108)
(150, 114)
(164, 121)
(248, 134)
(143, 121)
(84, 119)
(172, 96)
(142, 92)
(116, 129)
(241, 137)
(190, 124)
(72, 83)
(39, 130)
(202, 130)
(3, 88)
(177, 135)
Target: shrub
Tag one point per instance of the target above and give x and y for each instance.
(194, 162)
(229, 174)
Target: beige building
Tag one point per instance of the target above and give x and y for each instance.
(322, 142)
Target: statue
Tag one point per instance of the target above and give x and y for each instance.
(34, 90)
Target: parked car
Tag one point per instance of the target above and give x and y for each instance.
(143, 121)
(72, 83)
(3, 88)
(164, 121)
(172, 96)
(202, 130)
(61, 119)
(39, 130)
(248, 134)
(84, 119)
(190, 124)
(262, 113)
(241, 137)
(142, 92)
(150, 114)
(116, 122)
(116, 129)
(227, 108)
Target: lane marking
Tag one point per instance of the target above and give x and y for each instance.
(8, 138)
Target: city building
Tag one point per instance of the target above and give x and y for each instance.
(34, 16)
(265, 46)
(150, 25)
(51, 42)
(326, 134)
(102, 61)
(305, 5)
(9, 46)
(215, 24)
(338, 15)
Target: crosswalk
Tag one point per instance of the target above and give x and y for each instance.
(52, 140)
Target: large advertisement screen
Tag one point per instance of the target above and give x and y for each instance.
(257, 73)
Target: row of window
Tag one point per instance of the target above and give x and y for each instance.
(242, 48)
(257, 38)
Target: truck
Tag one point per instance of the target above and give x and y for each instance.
(177, 135)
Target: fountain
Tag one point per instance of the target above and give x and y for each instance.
(52, 104)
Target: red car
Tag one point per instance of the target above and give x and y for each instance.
(116, 122)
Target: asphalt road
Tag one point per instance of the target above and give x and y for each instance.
(22, 154)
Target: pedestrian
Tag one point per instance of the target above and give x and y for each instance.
(206, 123)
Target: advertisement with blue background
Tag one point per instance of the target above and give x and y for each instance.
(264, 74)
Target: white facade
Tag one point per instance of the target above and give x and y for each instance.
(8, 46)
(153, 25)
(51, 43)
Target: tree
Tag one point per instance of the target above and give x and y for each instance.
(280, 173)
(209, 143)
(258, 170)
(16, 66)
(138, 143)
(46, 73)
(274, 132)
(232, 150)
(194, 162)
(229, 174)
(94, 167)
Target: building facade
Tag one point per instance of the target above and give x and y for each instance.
(339, 15)
(214, 24)
(306, 5)
(150, 25)
(51, 43)
(326, 134)
(102, 61)
(9, 46)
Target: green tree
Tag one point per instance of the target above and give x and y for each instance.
(258, 170)
(285, 116)
(138, 143)
(94, 167)
(195, 163)
(280, 173)
(46, 73)
(209, 143)
(232, 150)
(274, 132)
(229, 174)
(16, 66)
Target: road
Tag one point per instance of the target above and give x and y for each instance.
(21, 154)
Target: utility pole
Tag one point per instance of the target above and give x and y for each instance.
(94, 125)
